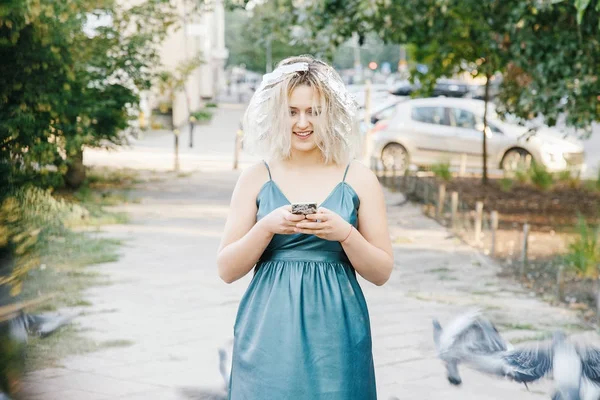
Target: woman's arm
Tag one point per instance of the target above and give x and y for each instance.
(243, 240)
(370, 248)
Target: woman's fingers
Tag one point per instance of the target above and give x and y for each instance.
(294, 217)
(318, 217)
(310, 225)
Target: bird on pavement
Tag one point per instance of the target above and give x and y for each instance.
(472, 340)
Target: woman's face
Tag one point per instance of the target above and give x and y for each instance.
(303, 116)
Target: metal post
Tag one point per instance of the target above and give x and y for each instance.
(176, 163)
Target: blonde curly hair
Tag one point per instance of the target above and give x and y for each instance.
(267, 122)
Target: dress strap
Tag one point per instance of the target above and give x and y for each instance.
(346, 172)
(268, 170)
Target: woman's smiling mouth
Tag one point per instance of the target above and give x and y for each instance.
(303, 134)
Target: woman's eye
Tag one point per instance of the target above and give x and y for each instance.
(292, 112)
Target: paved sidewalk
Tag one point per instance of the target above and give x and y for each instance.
(168, 302)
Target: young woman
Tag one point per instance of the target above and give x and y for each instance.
(302, 330)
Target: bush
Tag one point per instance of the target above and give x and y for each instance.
(521, 175)
(584, 252)
(540, 176)
(203, 115)
(564, 176)
(568, 178)
(211, 104)
(442, 171)
(27, 218)
(506, 184)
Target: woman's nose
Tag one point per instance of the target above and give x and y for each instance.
(302, 121)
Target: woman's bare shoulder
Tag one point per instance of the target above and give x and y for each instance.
(253, 178)
(361, 178)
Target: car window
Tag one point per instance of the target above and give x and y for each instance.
(387, 113)
(429, 115)
(495, 129)
(462, 119)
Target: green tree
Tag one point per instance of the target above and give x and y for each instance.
(68, 88)
(554, 50)
(260, 37)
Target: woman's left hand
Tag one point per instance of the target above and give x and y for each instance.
(325, 224)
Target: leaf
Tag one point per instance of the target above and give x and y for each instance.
(581, 6)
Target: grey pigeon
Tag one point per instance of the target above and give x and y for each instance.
(472, 340)
(225, 361)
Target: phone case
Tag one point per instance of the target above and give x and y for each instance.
(304, 208)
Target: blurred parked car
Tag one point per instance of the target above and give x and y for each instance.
(443, 87)
(427, 131)
(380, 109)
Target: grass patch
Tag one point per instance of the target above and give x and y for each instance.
(47, 352)
(532, 338)
(441, 269)
(63, 269)
(447, 278)
(517, 326)
(66, 272)
(481, 292)
(104, 187)
(111, 178)
(116, 344)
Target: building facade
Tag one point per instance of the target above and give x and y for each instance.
(201, 34)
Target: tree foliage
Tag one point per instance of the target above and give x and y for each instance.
(554, 50)
(547, 51)
(248, 34)
(62, 87)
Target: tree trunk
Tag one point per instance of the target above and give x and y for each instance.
(486, 98)
(75, 171)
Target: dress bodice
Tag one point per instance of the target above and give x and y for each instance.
(342, 200)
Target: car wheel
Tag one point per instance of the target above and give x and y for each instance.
(516, 159)
(395, 156)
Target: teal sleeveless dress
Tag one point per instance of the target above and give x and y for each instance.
(302, 330)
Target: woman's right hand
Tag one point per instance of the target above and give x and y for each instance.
(281, 221)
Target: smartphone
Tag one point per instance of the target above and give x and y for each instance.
(304, 208)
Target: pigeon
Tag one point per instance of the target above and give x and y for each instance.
(225, 361)
(472, 340)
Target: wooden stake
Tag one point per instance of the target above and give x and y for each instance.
(478, 221)
(463, 165)
(441, 201)
(524, 248)
(494, 224)
(454, 200)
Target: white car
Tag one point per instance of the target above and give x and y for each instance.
(426, 131)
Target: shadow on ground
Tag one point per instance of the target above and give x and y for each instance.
(203, 394)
